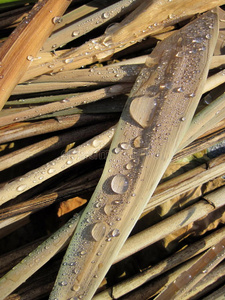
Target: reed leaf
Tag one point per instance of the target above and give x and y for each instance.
(153, 123)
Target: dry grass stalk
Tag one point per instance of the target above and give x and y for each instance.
(149, 18)
(27, 129)
(66, 103)
(172, 261)
(20, 49)
(37, 258)
(187, 181)
(50, 144)
(83, 26)
(35, 177)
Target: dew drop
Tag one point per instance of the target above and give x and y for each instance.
(125, 146)
(98, 231)
(68, 60)
(30, 58)
(105, 15)
(180, 90)
(63, 283)
(50, 171)
(119, 184)
(118, 202)
(69, 162)
(138, 142)
(116, 150)
(107, 209)
(75, 33)
(56, 20)
(192, 95)
(129, 166)
(115, 232)
(1, 76)
(197, 40)
(95, 143)
(21, 187)
(75, 287)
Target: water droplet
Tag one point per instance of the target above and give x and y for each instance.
(192, 95)
(68, 60)
(116, 150)
(1, 76)
(75, 33)
(107, 209)
(119, 184)
(118, 202)
(208, 36)
(50, 171)
(83, 252)
(125, 146)
(179, 54)
(21, 187)
(56, 20)
(129, 166)
(105, 15)
(183, 119)
(69, 162)
(98, 231)
(197, 40)
(138, 142)
(63, 283)
(30, 58)
(180, 90)
(115, 232)
(75, 287)
(95, 143)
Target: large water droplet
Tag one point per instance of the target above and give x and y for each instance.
(142, 110)
(119, 184)
(98, 231)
